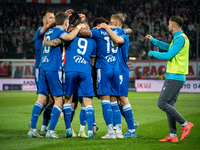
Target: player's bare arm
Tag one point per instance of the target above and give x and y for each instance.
(48, 26)
(128, 30)
(51, 43)
(92, 61)
(85, 33)
(82, 17)
(72, 35)
(116, 39)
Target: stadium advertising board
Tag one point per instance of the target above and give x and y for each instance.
(157, 66)
(23, 69)
(18, 84)
(5, 68)
(190, 86)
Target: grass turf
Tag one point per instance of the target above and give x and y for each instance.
(16, 108)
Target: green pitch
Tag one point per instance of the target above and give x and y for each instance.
(16, 108)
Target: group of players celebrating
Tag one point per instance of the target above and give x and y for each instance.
(77, 64)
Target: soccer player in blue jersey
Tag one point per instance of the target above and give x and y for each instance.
(43, 98)
(107, 76)
(49, 22)
(76, 98)
(78, 54)
(117, 20)
(52, 67)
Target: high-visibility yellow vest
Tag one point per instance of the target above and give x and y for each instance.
(179, 63)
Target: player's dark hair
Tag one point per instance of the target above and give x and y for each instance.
(99, 20)
(177, 19)
(47, 11)
(77, 23)
(60, 18)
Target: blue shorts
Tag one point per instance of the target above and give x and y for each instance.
(51, 83)
(82, 81)
(108, 81)
(36, 76)
(124, 84)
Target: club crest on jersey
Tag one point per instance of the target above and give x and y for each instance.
(110, 58)
(79, 59)
(45, 59)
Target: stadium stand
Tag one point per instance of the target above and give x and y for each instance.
(19, 21)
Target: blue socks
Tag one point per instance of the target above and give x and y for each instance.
(35, 114)
(116, 113)
(55, 114)
(82, 116)
(107, 112)
(89, 116)
(47, 115)
(128, 115)
(67, 110)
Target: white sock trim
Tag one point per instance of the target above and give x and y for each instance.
(58, 108)
(105, 102)
(83, 108)
(113, 103)
(39, 105)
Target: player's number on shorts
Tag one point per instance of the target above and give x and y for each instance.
(108, 46)
(47, 48)
(82, 44)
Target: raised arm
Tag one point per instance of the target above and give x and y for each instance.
(128, 30)
(116, 39)
(161, 45)
(72, 35)
(69, 12)
(173, 50)
(47, 27)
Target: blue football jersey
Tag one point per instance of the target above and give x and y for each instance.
(107, 51)
(78, 54)
(52, 56)
(123, 53)
(38, 38)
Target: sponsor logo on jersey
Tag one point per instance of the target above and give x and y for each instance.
(45, 59)
(79, 59)
(110, 58)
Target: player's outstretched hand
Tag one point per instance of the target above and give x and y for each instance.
(69, 12)
(82, 17)
(148, 37)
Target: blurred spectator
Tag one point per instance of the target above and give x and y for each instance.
(17, 74)
(191, 26)
(30, 54)
(160, 76)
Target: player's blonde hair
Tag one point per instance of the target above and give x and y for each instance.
(119, 17)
